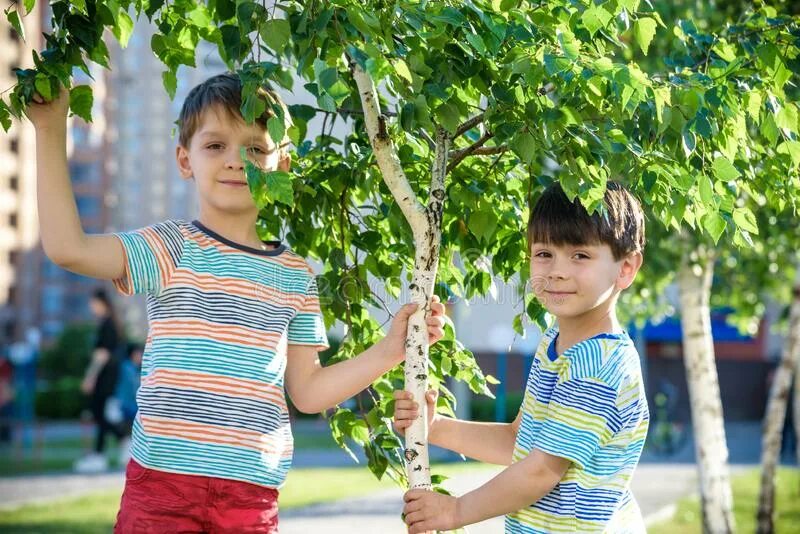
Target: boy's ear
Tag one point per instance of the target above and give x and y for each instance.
(628, 269)
(285, 161)
(182, 158)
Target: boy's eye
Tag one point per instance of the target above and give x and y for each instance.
(214, 146)
(256, 150)
(542, 254)
(581, 256)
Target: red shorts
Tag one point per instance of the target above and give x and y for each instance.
(156, 502)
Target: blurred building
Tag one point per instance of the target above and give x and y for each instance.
(33, 290)
(19, 268)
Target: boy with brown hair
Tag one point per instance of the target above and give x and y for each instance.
(233, 321)
(573, 447)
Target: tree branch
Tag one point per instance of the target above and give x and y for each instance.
(384, 149)
(470, 124)
(476, 149)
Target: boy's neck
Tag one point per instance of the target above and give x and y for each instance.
(240, 229)
(572, 330)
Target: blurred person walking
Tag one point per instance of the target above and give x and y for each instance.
(100, 381)
(24, 355)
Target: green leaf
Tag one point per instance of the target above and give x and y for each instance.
(79, 5)
(662, 96)
(724, 169)
(745, 220)
(595, 18)
(569, 45)
(279, 187)
(13, 19)
(706, 191)
(402, 70)
(725, 50)
(29, 6)
(276, 33)
(689, 142)
(483, 224)
(644, 29)
(170, 80)
(524, 144)
(753, 103)
(276, 129)
(43, 86)
(327, 103)
(715, 225)
(787, 117)
(792, 148)
(80, 102)
(449, 117)
(123, 28)
(5, 116)
(477, 43)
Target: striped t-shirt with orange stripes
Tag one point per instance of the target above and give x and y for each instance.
(221, 315)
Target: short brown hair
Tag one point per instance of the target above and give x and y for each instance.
(620, 225)
(225, 91)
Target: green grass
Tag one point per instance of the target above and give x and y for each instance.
(745, 499)
(58, 455)
(95, 513)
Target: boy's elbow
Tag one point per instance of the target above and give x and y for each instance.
(304, 405)
(62, 257)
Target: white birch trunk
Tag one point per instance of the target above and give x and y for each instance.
(425, 223)
(776, 414)
(694, 282)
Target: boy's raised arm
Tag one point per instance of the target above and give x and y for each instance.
(63, 238)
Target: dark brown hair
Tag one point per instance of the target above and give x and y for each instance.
(619, 224)
(224, 91)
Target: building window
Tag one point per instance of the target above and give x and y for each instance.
(13, 183)
(12, 220)
(12, 294)
(14, 145)
(12, 258)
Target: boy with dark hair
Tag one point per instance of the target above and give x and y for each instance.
(572, 448)
(230, 317)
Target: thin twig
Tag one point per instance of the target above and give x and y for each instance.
(470, 124)
(457, 156)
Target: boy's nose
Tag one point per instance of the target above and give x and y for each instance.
(235, 162)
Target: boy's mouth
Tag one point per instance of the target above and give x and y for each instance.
(233, 183)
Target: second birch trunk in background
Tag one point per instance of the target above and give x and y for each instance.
(694, 283)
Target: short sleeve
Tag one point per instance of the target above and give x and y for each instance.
(582, 415)
(151, 255)
(307, 327)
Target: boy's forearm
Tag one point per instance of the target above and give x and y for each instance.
(60, 225)
(486, 442)
(515, 488)
(331, 385)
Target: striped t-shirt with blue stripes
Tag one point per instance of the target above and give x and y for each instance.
(220, 315)
(587, 405)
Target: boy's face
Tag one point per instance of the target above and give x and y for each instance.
(213, 159)
(573, 280)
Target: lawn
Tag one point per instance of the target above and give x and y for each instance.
(745, 499)
(58, 455)
(95, 513)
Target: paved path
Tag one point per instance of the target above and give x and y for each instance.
(656, 486)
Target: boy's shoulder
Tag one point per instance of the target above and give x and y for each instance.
(611, 358)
